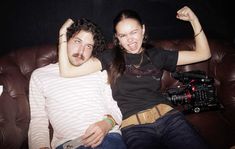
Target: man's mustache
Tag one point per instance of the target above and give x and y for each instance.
(79, 56)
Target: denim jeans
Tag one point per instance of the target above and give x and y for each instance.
(110, 141)
(171, 131)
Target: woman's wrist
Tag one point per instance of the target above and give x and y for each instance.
(61, 42)
(198, 33)
(61, 35)
(62, 38)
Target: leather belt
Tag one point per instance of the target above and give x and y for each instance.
(146, 116)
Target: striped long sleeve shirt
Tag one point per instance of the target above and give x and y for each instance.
(69, 104)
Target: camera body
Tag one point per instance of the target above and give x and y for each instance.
(196, 94)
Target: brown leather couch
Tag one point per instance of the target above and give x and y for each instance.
(217, 127)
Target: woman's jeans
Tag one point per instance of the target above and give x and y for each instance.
(110, 141)
(171, 131)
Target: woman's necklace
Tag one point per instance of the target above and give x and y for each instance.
(141, 60)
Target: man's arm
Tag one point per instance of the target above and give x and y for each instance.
(96, 132)
(113, 110)
(38, 135)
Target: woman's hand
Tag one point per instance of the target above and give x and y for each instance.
(63, 32)
(186, 14)
(63, 29)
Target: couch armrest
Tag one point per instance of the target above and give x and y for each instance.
(15, 71)
(14, 108)
(226, 92)
(14, 120)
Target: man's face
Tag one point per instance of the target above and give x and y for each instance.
(80, 47)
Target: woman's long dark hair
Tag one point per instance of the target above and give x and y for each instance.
(117, 67)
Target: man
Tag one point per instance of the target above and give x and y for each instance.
(75, 107)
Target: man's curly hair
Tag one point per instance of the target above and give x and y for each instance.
(88, 26)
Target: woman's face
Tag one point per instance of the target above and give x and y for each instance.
(130, 35)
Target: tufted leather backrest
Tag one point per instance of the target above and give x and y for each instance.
(15, 72)
(17, 66)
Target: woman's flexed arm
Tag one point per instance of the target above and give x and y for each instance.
(202, 50)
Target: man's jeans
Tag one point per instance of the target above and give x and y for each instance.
(171, 131)
(110, 141)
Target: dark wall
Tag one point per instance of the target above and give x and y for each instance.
(36, 22)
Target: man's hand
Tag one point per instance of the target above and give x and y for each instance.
(95, 133)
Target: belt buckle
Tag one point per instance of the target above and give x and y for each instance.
(146, 116)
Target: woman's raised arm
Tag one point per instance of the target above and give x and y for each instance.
(66, 68)
(202, 50)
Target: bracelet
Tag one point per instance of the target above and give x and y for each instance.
(109, 121)
(63, 36)
(61, 42)
(198, 33)
(110, 117)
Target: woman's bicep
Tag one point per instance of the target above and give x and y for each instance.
(186, 57)
(189, 57)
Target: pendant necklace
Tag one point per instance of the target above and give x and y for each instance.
(141, 60)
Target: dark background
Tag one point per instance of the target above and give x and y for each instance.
(36, 22)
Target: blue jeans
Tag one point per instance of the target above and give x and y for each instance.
(110, 141)
(171, 131)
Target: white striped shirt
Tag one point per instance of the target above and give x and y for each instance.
(70, 104)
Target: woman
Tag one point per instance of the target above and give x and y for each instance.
(135, 72)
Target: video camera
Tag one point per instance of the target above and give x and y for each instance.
(197, 92)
